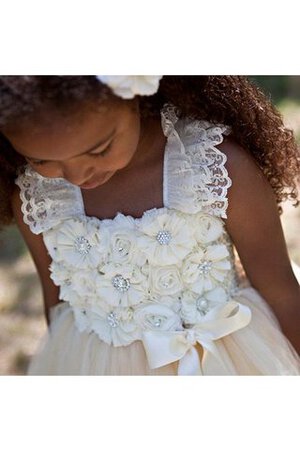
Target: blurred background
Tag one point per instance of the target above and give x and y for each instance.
(22, 322)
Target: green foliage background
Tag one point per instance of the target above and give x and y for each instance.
(279, 88)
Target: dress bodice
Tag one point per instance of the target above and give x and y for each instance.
(169, 270)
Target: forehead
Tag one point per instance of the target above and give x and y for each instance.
(49, 119)
(52, 134)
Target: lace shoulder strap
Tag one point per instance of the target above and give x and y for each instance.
(196, 178)
(47, 201)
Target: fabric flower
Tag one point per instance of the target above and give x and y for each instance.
(81, 318)
(84, 282)
(164, 280)
(157, 317)
(123, 240)
(165, 237)
(60, 274)
(194, 307)
(49, 237)
(80, 243)
(71, 286)
(121, 285)
(114, 326)
(207, 228)
(63, 277)
(171, 301)
(127, 86)
(205, 269)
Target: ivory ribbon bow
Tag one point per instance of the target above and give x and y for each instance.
(164, 347)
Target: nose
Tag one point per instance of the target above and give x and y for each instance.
(77, 173)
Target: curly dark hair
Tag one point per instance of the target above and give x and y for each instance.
(231, 100)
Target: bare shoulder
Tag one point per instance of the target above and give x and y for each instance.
(250, 191)
(254, 225)
(16, 202)
(241, 163)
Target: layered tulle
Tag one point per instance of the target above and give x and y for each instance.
(260, 348)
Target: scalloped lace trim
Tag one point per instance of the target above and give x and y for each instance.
(196, 176)
(46, 201)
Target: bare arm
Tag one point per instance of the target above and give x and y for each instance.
(39, 255)
(255, 228)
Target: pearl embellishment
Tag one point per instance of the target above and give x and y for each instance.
(202, 305)
(112, 319)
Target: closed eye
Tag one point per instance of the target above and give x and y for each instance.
(102, 152)
(37, 162)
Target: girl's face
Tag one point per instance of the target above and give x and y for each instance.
(87, 148)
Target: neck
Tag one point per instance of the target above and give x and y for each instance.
(152, 139)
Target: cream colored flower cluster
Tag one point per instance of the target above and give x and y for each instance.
(164, 271)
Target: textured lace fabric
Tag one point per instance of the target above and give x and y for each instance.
(196, 177)
(170, 271)
(47, 201)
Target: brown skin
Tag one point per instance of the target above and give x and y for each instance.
(253, 222)
(255, 228)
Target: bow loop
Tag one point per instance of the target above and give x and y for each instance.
(165, 347)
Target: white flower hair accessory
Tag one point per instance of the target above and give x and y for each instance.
(127, 86)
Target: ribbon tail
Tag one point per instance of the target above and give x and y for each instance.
(190, 364)
(158, 348)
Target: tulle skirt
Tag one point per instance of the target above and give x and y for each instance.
(258, 349)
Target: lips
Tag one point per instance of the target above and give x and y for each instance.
(88, 185)
(92, 184)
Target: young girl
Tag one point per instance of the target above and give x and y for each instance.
(133, 194)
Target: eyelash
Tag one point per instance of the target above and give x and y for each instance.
(102, 154)
(37, 163)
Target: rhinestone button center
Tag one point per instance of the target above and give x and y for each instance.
(82, 245)
(120, 283)
(205, 267)
(163, 237)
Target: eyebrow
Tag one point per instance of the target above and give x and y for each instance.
(103, 141)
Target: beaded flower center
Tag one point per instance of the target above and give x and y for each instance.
(163, 237)
(112, 319)
(120, 283)
(205, 267)
(82, 245)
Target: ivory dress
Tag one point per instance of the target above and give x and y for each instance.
(159, 294)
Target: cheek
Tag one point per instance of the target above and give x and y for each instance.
(120, 156)
(48, 170)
